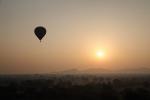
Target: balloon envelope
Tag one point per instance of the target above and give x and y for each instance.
(40, 32)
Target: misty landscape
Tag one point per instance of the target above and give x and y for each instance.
(106, 86)
(75, 49)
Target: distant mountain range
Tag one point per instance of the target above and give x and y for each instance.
(137, 70)
(102, 70)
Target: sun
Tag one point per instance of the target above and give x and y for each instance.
(100, 54)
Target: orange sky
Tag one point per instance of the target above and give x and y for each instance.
(76, 30)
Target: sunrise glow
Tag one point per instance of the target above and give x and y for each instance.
(100, 54)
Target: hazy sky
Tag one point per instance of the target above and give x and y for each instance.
(76, 30)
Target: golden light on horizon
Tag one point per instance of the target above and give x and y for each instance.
(79, 34)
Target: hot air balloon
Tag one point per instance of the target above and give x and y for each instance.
(40, 32)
